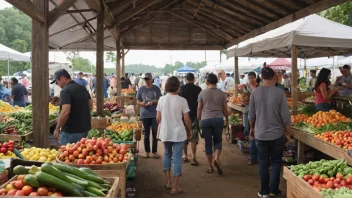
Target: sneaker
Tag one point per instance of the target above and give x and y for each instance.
(263, 195)
(276, 195)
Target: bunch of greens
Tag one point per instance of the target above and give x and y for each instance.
(307, 109)
(325, 168)
(303, 84)
(336, 193)
(233, 119)
(340, 126)
(93, 133)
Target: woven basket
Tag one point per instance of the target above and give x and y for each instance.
(137, 134)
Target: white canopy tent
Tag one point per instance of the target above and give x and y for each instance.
(314, 37)
(347, 60)
(244, 66)
(9, 54)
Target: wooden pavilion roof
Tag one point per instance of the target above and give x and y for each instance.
(175, 24)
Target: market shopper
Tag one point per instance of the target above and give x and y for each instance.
(163, 81)
(225, 82)
(252, 84)
(19, 93)
(5, 94)
(147, 97)
(126, 82)
(270, 122)
(313, 80)
(25, 80)
(75, 103)
(79, 80)
(212, 107)
(345, 81)
(190, 92)
(172, 116)
(323, 93)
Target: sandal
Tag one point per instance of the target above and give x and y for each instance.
(156, 156)
(167, 187)
(218, 167)
(185, 160)
(194, 162)
(177, 192)
(210, 170)
(146, 155)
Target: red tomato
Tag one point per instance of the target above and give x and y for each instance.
(343, 183)
(337, 181)
(42, 191)
(12, 192)
(19, 184)
(322, 180)
(27, 190)
(339, 175)
(316, 177)
(19, 193)
(123, 151)
(337, 185)
(329, 184)
(349, 180)
(307, 177)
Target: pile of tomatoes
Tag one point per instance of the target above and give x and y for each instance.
(322, 118)
(319, 182)
(341, 139)
(299, 118)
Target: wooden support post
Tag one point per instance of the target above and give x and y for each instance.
(123, 60)
(300, 151)
(236, 76)
(100, 62)
(294, 91)
(118, 66)
(40, 72)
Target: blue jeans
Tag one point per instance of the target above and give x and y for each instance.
(71, 137)
(21, 103)
(174, 150)
(212, 132)
(253, 152)
(147, 124)
(323, 107)
(105, 94)
(246, 124)
(270, 151)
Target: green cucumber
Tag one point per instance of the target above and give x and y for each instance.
(95, 191)
(20, 170)
(89, 194)
(77, 181)
(55, 172)
(79, 173)
(31, 180)
(57, 183)
(87, 170)
(90, 183)
(18, 154)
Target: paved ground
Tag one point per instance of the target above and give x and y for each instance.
(238, 180)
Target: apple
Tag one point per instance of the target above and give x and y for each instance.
(106, 159)
(114, 146)
(90, 147)
(19, 185)
(94, 157)
(104, 144)
(106, 151)
(93, 162)
(110, 149)
(79, 149)
(115, 160)
(75, 153)
(66, 153)
(85, 152)
(86, 161)
(118, 148)
(110, 143)
(63, 148)
(91, 153)
(99, 161)
(83, 140)
(71, 158)
(94, 142)
(107, 140)
(70, 150)
(67, 161)
(121, 158)
(99, 144)
(80, 161)
(81, 156)
(100, 139)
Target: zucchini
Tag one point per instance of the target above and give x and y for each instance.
(79, 173)
(54, 172)
(89, 194)
(90, 183)
(87, 170)
(31, 180)
(18, 154)
(77, 181)
(20, 170)
(95, 191)
(57, 183)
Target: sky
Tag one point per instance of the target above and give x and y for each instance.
(157, 58)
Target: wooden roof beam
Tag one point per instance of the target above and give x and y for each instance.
(314, 8)
(79, 11)
(258, 9)
(195, 13)
(28, 7)
(59, 10)
(213, 32)
(132, 12)
(118, 6)
(278, 6)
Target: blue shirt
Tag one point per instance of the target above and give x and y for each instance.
(81, 81)
(157, 82)
(342, 79)
(146, 95)
(105, 84)
(4, 93)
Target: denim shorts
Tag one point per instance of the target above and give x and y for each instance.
(66, 137)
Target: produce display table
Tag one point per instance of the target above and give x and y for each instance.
(236, 107)
(305, 139)
(298, 188)
(17, 138)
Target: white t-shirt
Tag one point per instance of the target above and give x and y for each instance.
(163, 81)
(172, 108)
(226, 84)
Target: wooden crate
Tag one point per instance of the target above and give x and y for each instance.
(17, 138)
(298, 188)
(121, 174)
(113, 192)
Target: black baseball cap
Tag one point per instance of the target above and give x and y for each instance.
(59, 73)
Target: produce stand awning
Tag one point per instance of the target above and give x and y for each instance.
(7, 53)
(280, 64)
(185, 69)
(345, 61)
(314, 35)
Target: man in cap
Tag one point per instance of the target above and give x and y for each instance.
(80, 80)
(75, 103)
(147, 97)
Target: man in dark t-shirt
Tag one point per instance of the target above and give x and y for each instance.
(18, 93)
(126, 82)
(74, 121)
(190, 92)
